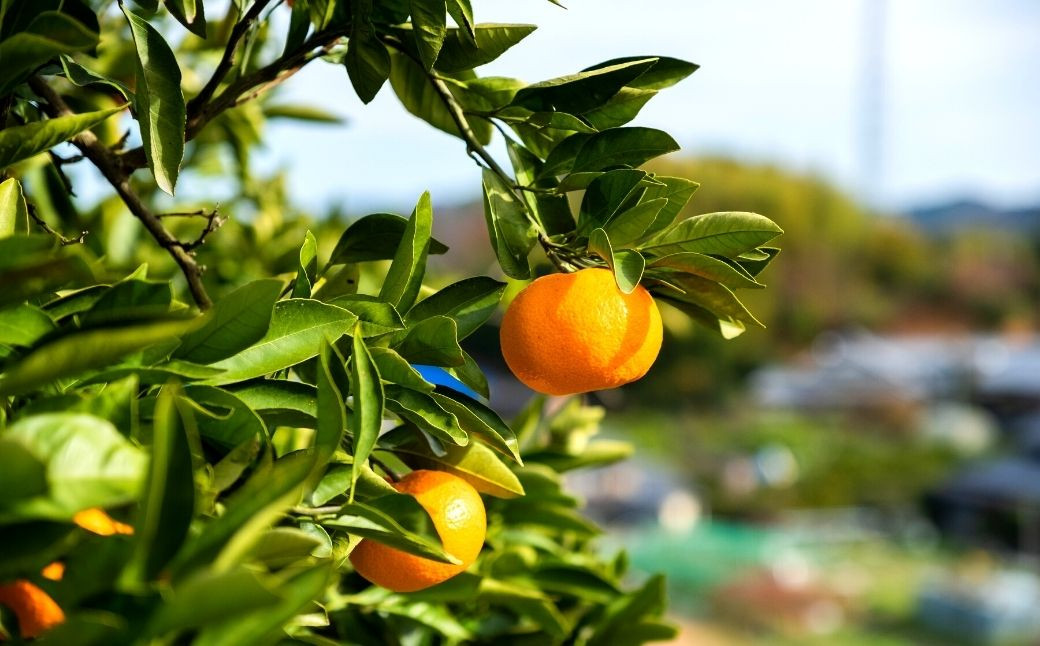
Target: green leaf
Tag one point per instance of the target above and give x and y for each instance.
(607, 194)
(469, 302)
(579, 93)
(629, 610)
(475, 417)
(561, 158)
(474, 463)
(626, 264)
(462, 13)
(375, 237)
(553, 212)
(727, 327)
(622, 146)
(596, 454)
(250, 510)
(677, 191)
(159, 103)
(307, 113)
(24, 325)
(423, 410)
(512, 234)
(283, 546)
(418, 95)
(489, 41)
(298, 326)
(712, 296)
(49, 34)
(78, 352)
(429, 26)
(22, 142)
(376, 317)
(404, 278)
(21, 474)
(707, 267)
(619, 110)
(755, 267)
(367, 416)
(433, 341)
(209, 597)
(577, 581)
(666, 72)
(529, 602)
(82, 77)
(369, 521)
(148, 375)
(14, 216)
(237, 321)
(89, 464)
(394, 369)
(726, 234)
(367, 61)
(233, 423)
(470, 374)
(190, 13)
(332, 416)
(168, 503)
(629, 227)
(337, 481)
(307, 268)
(131, 299)
(280, 396)
(266, 626)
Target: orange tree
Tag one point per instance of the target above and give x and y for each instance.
(200, 429)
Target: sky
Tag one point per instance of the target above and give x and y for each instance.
(780, 82)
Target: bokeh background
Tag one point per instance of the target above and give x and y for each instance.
(867, 469)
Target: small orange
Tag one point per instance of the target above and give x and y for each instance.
(458, 516)
(35, 610)
(55, 571)
(574, 333)
(97, 521)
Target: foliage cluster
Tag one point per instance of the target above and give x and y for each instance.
(246, 435)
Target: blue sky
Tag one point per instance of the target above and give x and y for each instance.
(780, 82)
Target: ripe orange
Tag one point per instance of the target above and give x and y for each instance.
(97, 521)
(574, 333)
(458, 516)
(35, 610)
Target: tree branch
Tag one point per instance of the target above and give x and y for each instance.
(108, 163)
(246, 88)
(238, 32)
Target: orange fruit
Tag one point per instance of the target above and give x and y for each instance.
(458, 516)
(97, 521)
(35, 610)
(55, 571)
(574, 333)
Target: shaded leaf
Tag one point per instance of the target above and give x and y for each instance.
(298, 326)
(404, 278)
(489, 41)
(375, 237)
(474, 463)
(159, 103)
(626, 264)
(21, 142)
(237, 321)
(469, 302)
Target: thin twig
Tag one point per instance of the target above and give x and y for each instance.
(246, 88)
(117, 175)
(228, 59)
(40, 222)
(213, 222)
